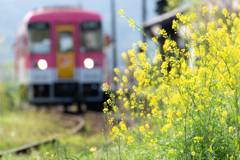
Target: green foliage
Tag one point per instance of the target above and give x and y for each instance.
(9, 97)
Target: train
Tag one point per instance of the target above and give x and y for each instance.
(59, 56)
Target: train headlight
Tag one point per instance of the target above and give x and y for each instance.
(88, 63)
(42, 64)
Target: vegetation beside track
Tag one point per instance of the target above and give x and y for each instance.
(82, 142)
(183, 111)
(21, 127)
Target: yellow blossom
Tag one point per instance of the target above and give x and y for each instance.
(178, 113)
(116, 79)
(130, 140)
(121, 12)
(197, 139)
(116, 70)
(171, 151)
(205, 10)
(123, 126)
(125, 80)
(105, 87)
(105, 110)
(146, 125)
(124, 55)
(131, 23)
(153, 142)
(175, 25)
(141, 128)
(115, 129)
(225, 13)
(154, 39)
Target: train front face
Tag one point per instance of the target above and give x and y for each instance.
(65, 58)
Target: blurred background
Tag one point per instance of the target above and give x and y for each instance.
(19, 125)
(13, 11)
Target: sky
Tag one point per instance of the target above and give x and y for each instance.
(12, 12)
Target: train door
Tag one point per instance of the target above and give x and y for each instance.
(65, 51)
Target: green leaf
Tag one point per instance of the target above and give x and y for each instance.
(210, 149)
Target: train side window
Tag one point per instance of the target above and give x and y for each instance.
(65, 42)
(91, 37)
(39, 38)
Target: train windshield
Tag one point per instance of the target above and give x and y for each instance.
(65, 42)
(39, 38)
(91, 37)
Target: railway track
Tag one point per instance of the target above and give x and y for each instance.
(90, 117)
(80, 122)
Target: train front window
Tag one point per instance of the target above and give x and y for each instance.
(65, 42)
(91, 37)
(39, 38)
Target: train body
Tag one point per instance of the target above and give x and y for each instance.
(59, 56)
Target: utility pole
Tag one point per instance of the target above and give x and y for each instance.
(114, 46)
(144, 11)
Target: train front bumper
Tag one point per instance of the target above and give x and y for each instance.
(65, 93)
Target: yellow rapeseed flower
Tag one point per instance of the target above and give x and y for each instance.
(115, 129)
(171, 151)
(123, 126)
(105, 87)
(180, 133)
(116, 70)
(130, 140)
(193, 153)
(147, 125)
(141, 129)
(197, 139)
(121, 12)
(116, 79)
(178, 15)
(193, 16)
(154, 39)
(225, 13)
(131, 23)
(175, 25)
(126, 71)
(124, 55)
(125, 80)
(110, 121)
(205, 10)
(178, 113)
(105, 110)
(153, 142)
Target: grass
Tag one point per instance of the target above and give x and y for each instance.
(78, 144)
(26, 126)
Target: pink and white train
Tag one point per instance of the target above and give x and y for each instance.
(59, 56)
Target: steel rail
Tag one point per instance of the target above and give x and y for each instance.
(27, 147)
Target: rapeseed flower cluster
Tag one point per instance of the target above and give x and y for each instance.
(182, 112)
